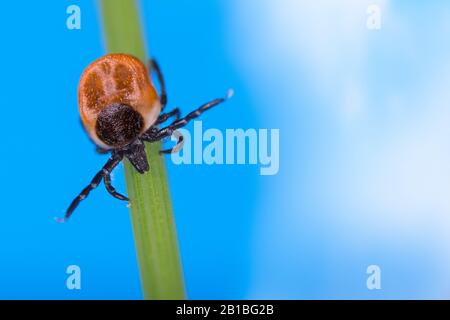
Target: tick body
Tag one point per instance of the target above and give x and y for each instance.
(120, 109)
(117, 100)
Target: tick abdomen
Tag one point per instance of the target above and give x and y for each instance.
(116, 79)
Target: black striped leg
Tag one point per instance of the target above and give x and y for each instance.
(168, 131)
(106, 170)
(109, 187)
(163, 117)
(163, 97)
(177, 147)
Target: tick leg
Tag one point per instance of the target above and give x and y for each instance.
(163, 98)
(112, 190)
(163, 117)
(177, 147)
(167, 131)
(149, 134)
(106, 170)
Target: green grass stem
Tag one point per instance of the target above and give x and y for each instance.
(151, 207)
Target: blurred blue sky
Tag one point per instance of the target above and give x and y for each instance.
(364, 150)
(364, 163)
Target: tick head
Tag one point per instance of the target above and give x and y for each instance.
(118, 124)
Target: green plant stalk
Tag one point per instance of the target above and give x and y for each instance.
(151, 208)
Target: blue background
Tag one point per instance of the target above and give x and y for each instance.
(364, 152)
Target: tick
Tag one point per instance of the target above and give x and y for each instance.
(120, 109)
